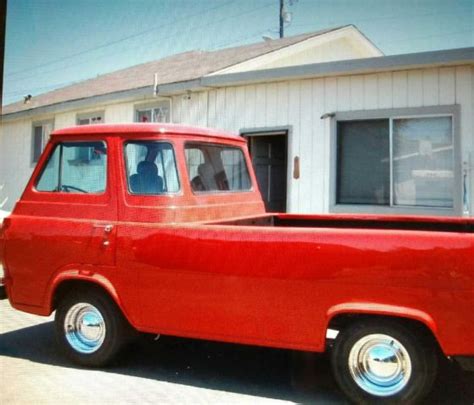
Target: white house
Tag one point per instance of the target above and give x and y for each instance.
(333, 125)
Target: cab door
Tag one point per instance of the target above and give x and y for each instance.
(66, 218)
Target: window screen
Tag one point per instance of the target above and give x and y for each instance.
(216, 168)
(151, 168)
(75, 167)
(363, 162)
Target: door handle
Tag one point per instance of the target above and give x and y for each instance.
(107, 230)
(107, 227)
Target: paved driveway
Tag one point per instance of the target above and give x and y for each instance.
(176, 371)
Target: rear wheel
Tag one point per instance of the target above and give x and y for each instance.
(384, 362)
(90, 329)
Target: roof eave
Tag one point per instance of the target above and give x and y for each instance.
(461, 56)
(71, 105)
(451, 57)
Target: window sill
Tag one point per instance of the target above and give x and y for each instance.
(386, 210)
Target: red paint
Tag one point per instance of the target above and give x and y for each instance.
(183, 265)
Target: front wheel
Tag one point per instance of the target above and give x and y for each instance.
(90, 329)
(383, 362)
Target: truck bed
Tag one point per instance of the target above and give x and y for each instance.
(412, 223)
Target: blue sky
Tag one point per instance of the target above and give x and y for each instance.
(52, 43)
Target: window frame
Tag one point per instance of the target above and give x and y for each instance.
(89, 115)
(452, 111)
(216, 192)
(127, 176)
(152, 107)
(60, 192)
(44, 141)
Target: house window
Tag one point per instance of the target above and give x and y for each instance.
(41, 132)
(90, 118)
(396, 162)
(154, 113)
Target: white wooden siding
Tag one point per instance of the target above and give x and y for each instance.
(15, 160)
(400, 89)
(300, 104)
(318, 175)
(119, 113)
(297, 104)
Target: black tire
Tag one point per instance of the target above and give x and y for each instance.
(96, 308)
(366, 339)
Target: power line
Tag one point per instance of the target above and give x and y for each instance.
(217, 46)
(107, 44)
(114, 52)
(235, 41)
(223, 45)
(426, 36)
(404, 16)
(51, 86)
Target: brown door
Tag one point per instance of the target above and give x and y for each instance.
(269, 158)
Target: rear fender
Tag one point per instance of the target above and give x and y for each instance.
(393, 311)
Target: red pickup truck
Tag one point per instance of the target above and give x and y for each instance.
(161, 229)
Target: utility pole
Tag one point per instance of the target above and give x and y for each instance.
(282, 5)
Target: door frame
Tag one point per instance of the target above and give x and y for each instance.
(277, 130)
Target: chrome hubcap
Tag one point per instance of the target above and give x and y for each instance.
(380, 365)
(84, 328)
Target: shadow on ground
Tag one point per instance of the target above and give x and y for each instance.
(270, 373)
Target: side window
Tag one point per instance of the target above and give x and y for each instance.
(214, 168)
(151, 168)
(75, 167)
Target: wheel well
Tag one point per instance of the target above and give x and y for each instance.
(65, 287)
(342, 321)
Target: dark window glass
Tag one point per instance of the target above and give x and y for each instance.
(41, 134)
(363, 162)
(75, 167)
(37, 143)
(216, 168)
(151, 168)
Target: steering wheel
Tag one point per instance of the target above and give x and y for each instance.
(67, 188)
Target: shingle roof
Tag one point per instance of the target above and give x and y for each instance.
(172, 69)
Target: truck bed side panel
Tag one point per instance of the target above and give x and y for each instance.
(276, 286)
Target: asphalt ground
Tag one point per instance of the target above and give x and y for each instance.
(176, 371)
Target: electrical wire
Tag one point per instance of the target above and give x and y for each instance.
(114, 52)
(107, 44)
